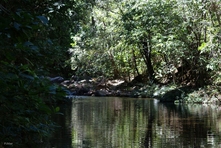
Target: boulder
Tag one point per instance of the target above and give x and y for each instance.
(57, 79)
(101, 93)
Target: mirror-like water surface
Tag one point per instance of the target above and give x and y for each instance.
(137, 123)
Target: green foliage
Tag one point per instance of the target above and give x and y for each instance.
(182, 38)
(26, 105)
(31, 49)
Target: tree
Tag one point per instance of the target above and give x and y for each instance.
(145, 22)
(175, 40)
(198, 24)
(32, 48)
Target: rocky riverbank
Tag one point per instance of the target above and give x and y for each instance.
(99, 87)
(165, 93)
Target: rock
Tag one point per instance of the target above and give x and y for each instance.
(57, 79)
(75, 78)
(66, 83)
(100, 93)
(82, 91)
(175, 94)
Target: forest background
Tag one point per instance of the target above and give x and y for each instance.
(166, 42)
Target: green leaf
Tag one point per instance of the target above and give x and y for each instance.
(27, 76)
(17, 26)
(43, 19)
(203, 45)
(52, 89)
(57, 109)
(28, 43)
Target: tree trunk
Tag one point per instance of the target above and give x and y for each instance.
(135, 63)
(147, 55)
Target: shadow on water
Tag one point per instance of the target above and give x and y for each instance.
(137, 123)
(62, 135)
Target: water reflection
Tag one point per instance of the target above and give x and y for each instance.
(139, 123)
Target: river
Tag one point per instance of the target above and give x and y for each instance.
(92, 122)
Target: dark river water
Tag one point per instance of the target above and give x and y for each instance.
(92, 122)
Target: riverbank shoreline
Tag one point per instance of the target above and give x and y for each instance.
(99, 87)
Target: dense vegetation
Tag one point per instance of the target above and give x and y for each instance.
(168, 41)
(34, 40)
(163, 41)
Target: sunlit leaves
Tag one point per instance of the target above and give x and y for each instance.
(180, 32)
